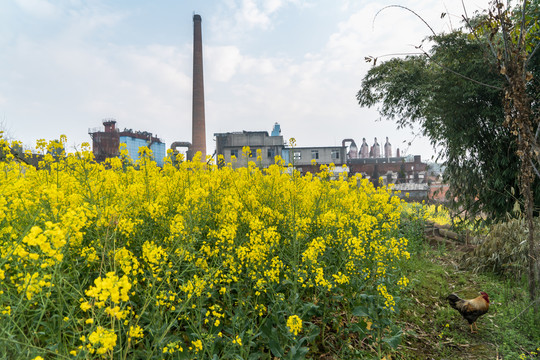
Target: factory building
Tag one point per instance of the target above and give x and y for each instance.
(137, 139)
(106, 142)
(302, 156)
(230, 145)
(372, 162)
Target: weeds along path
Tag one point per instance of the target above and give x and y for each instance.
(436, 331)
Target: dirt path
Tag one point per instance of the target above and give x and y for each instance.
(434, 330)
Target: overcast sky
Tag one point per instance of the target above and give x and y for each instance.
(65, 65)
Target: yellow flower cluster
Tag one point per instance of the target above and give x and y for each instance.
(173, 347)
(435, 213)
(237, 340)
(101, 341)
(197, 345)
(127, 262)
(153, 255)
(294, 324)
(389, 301)
(403, 282)
(32, 284)
(135, 332)
(117, 289)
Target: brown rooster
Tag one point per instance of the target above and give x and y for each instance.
(470, 309)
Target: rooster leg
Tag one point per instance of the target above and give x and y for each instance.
(476, 326)
(472, 331)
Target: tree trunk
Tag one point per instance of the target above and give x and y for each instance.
(533, 255)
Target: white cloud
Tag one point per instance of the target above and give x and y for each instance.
(38, 8)
(224, 64)
(144, 88)
(271, 6)
(251, 15)
(248, 15)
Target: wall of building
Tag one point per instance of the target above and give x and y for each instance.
(133, 144)
(229, 144)
(386, 165)
(105, 140)
(159, 152)
(105, 145)
(322, 155)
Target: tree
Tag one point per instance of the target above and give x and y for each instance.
(464, 119)
(475, 95)
(514, 43)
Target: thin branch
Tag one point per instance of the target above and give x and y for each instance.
(449, 17)
(522, 30)
(466, 18)
(465, 12)
(504, 32)
(461, 75)
(531, 304)
(406, 8)
(535, 169)
(397, 54)
(531, 55)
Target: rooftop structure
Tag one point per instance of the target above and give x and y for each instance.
(230, 145)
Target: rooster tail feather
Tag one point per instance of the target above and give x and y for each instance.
(453, 299)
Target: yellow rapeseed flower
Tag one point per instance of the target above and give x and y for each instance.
(294, 324)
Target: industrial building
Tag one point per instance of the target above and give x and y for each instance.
(106, 142)
(302, 156)
(367, 160)
(230, 145)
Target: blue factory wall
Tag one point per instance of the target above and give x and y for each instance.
(133, 145)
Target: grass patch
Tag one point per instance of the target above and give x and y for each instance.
(433, 330)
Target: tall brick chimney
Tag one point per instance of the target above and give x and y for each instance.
(198, 129)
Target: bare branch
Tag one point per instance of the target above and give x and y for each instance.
(397, 54)
(522, 30)
(449, 18)
(406, 8)
(465, 12)
(504, 31)
(461, 75)
(531, 304)
(535, 169)
(473, 32)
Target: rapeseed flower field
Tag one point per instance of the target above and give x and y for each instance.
(124, 260)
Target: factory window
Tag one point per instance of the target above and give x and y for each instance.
(297, 155)
(271, 153)
(335, 154)
(253, 152)
(234, 152)
(315, 154)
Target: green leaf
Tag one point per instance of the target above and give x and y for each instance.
(360, 311)
(299, 353)
(275, 346)
(393, 341)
